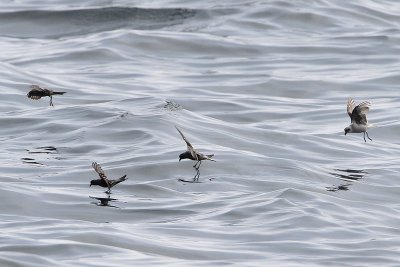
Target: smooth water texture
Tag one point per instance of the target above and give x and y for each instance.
(261, 84)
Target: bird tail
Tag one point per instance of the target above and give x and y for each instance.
(58, 93)
(210, 156)
(123, 178)
(115, 182)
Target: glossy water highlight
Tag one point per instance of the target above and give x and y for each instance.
(261, 84)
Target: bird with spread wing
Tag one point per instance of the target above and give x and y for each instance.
(192, 154)
(358, 116)
(104, 181)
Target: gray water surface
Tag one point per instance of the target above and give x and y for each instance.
(261, 84)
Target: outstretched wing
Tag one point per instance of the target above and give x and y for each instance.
(101, 173)
(359, 114)
(35, 87)
(350, 106)
(189, 145)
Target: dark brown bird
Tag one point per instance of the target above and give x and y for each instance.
(104, 181)
(192, 154)
(37, 92)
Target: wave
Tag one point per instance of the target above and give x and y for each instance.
(61, 23)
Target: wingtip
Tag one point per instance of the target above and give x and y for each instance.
(180, 132)
(367, 103)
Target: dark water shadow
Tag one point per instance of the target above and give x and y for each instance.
(39, 150)
(43, 150)
(193, 181)
(31, 161)
(104, 201)
(195, 178)
(347, 177)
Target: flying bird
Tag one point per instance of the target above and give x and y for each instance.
(358, 116)
(192, 154)
(37, 92)
(104, 181)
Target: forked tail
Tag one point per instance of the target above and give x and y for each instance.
(210, 157)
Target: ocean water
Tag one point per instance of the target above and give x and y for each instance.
(261, 84)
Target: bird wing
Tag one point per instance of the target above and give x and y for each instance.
(35, 87)
(35, 91)
(189, 145)
(101, 173)
(359, 114)
(350, 106)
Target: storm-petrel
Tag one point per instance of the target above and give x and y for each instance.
(192, 154)
(358, 116)
(37, 92)
(104, 181)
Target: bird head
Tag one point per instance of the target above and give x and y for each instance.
(94, 182)
(185, 155)
(182, 156)
(346, 130)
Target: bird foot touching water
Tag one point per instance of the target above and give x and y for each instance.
(194, 181)
(37, 92)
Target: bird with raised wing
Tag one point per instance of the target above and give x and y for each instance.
(37, 92)
(104, 181)
(358, 116)
(192, 154)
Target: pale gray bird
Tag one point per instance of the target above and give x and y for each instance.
(358, 116)
(104, 181)
(37, 92)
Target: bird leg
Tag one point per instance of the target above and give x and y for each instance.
(197, 176)
(367, 136)
(51, 101)
(195, 165)
(364, 138)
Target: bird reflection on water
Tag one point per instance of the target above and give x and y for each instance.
(347, 178)
(104, 201)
